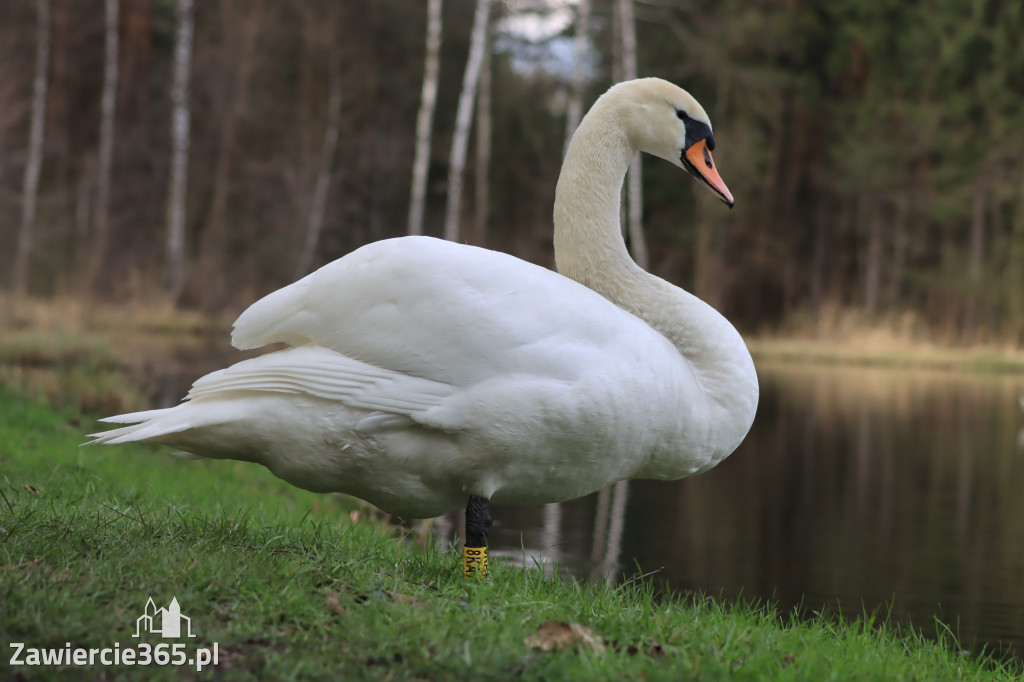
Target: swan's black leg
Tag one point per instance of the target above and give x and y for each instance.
(478, 522)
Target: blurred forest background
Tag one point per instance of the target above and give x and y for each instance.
(207, 154)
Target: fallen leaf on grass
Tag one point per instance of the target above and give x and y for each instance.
(555, 634)
(402, 598)
(333, 602)
(31, 488)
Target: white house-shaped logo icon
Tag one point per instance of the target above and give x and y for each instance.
(165, 622)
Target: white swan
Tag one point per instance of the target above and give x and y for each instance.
(422, 372)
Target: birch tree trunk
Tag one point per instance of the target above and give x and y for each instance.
(425, 118)
(108, 109)
(463, 118)
(637, 243)
(616, 44)
(318, 202)
(574, 111)
(481, 186)
(180, 125)
(35, 149)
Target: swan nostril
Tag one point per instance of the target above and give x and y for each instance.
(707, 159)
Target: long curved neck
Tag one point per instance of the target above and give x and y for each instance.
(588, 240)
(589, 249)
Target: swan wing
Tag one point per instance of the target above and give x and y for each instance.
(451, 313)
(392, 399)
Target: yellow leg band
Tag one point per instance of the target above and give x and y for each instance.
(474, 560)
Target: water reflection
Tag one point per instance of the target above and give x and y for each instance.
(859, 486)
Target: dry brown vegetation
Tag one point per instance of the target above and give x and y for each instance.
(95, 355)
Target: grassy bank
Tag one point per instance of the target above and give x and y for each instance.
(291, 585)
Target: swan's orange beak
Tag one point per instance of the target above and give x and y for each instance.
(698, 161)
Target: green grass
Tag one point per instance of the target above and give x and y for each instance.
(292, 585)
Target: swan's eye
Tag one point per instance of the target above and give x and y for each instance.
(682, 115)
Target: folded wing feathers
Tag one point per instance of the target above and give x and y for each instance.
(277, 317)
(393, 399)
(322, 373)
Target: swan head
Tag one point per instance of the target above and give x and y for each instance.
(664, 120)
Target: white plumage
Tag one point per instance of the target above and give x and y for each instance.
(422, 371)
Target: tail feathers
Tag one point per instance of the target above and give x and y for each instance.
(136, 432)
(136, 417)
(146, 425)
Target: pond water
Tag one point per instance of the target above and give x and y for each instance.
(858, 487)
(862, 488)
